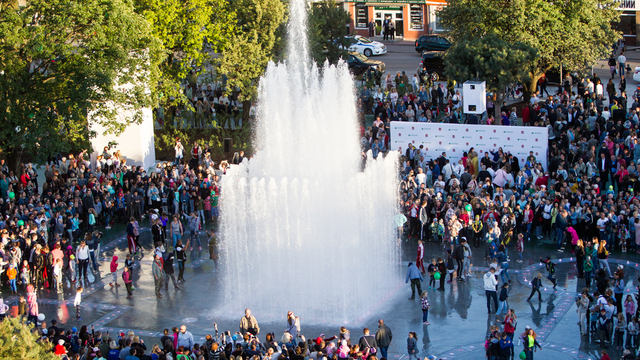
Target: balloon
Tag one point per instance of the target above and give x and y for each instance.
(522, 355)
(468, 207)
(20, 223)
(41, 317)
(12, 194)
(437, 276)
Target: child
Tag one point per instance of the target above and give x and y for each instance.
(57, 274)
(128, 262)
(551, 268)
(520, 247)
(434, 230)
(77, 301)
(504, 294)
(629, 308)
(22, 307)
(632, 333)
(32, 304)
(593, 318)
(424, 301)
(12, 273)
(114, 271)
(126, 277)
(71, 266)
(450, 266)
(431, 269)
(621, 326)
(24, 274)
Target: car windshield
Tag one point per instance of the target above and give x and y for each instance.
(360, 56)
(365, 40)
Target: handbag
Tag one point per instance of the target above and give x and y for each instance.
(372, 350)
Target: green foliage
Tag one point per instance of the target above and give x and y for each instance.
(327, 30)
(254, 44)
(574, 33)
(187, 30)
(65, 59)
(491, 59)
(17, 342)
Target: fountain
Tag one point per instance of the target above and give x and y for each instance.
(303, 228)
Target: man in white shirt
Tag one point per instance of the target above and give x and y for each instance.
(599, 89)
(490, 288)
(421, 177)
(590, 86)
(447, 170)
(621, 60)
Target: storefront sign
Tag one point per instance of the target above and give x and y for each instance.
(389, 8)
(387, 1)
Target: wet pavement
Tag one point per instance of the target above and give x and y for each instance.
(458, 315)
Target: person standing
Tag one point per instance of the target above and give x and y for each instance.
(458, 255)
(57, 274)
(383, 338)
(536, 283)
(385, 28)
(490, 288)
(158, 275)
(424, 302)
(293, 326)
(249, 324)
(372, 28)
(182, 258)
(82, 252)
(131, 237)
(621, 62)
(128, 281)
(76, 302)
(179, 149)
(185, 338)
(583, 305)
(420, 257)
(551, 269)
(412, 345)
(415, 276)
(367, 342)
(169, 272)
(176, 230)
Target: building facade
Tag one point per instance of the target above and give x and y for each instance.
(412, 18)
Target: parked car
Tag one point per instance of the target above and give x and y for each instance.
(359, 64)
(365, 46)
(636, 73)
(432, 65)
(432, 43)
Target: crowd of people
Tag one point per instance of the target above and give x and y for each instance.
(585, 202)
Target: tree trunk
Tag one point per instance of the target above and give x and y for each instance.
(246, 108)
(531, 87)
(14, 159)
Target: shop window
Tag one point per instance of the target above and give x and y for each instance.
(362, 16)
(417, 17)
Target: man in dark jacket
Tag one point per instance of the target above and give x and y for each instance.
(536, 283)
(458, 255)
(367, 341)
(169, 273)
(383, 338)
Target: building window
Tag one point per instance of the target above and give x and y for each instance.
(417, 17)
(362, 16)
(434, 19)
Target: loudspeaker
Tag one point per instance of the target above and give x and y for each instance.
(474, 97)
(227, 144)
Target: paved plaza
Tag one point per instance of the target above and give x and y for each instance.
(458, 316)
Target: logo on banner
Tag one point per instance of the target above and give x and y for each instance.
(522, 146)
(467, 130)
(453, 136)
(439, 129)
(494, 145)
(467, 144)
(508, 139)
(466, 137)
(536, 154)
(412, 128)
(494, 138)
(480, 137)
(481, 151)
(413, 141)
(536, 133)
(522, 132)
(494, 131)
(399, 134)
(508, 132)
(426, 149)
(439, 142)
(453, 150)
(536, 139)
(519, 139)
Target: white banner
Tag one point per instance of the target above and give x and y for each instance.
(454, 139)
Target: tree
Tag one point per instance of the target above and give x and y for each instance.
(328, 27)
(254, 44)
(17, 342)
(62, 60)
(492, 59)
(572, 33)
(188, 31)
